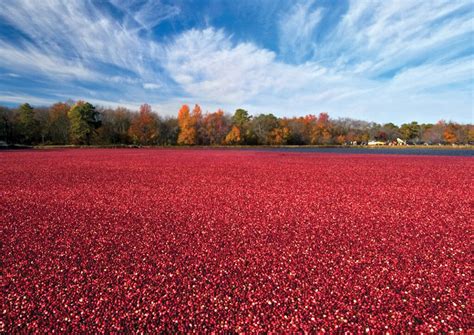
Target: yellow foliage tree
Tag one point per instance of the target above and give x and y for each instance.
(341, 139)
(320, 132)
(450, 133)
(280, 136)
(233, 137)
(187, 127)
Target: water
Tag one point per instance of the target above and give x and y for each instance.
(382, 151)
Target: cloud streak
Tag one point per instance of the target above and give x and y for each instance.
(379, 60)
(297, 29)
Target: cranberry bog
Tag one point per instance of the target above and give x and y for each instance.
(149, 240)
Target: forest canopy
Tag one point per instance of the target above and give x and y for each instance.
(81, 123)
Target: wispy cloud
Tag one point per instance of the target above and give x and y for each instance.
(74, 39)
(16, 98)
(210, 67)
(29, 58)
(151, 86)
(146, 14)
(388, 35)
(381, 60)
(297, 30)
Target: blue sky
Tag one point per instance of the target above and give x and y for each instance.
(376, 60)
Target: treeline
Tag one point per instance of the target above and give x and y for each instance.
(84, 124)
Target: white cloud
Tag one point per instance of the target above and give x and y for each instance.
(415, 40)
(417, 43)
(213, 69)
(151, 86)
(72, 38)
(386, 35)
(209, 66)
(29, 58)
(297, 29)
(14, 98)
(147, 14)
(432, 76)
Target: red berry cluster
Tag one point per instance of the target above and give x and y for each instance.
(234, 241)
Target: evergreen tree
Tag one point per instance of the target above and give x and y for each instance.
(84, 121)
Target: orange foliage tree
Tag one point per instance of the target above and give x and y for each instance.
(214, 128)
(450, 133)
(321, 132)
(233, 137)
(280, 135)
(144, 127)
(187, 125)
(308, 122)
(341, 139)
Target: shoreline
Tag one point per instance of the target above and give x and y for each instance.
(341, 147)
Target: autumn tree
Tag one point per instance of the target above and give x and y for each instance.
(215, 127)
(144, 127)
(84, 121)
(340, 139)
(187, 126)
(321, 130)
(233, 136)
(279, 136)
(81, 123)
(302, 130)
(309, 123)
(197, 119)
(452, 133)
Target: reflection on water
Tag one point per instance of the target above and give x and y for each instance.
(384, 151)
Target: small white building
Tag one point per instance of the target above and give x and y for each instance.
(401, 142)
(374, 143)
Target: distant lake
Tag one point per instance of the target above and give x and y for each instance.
(380, 151)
